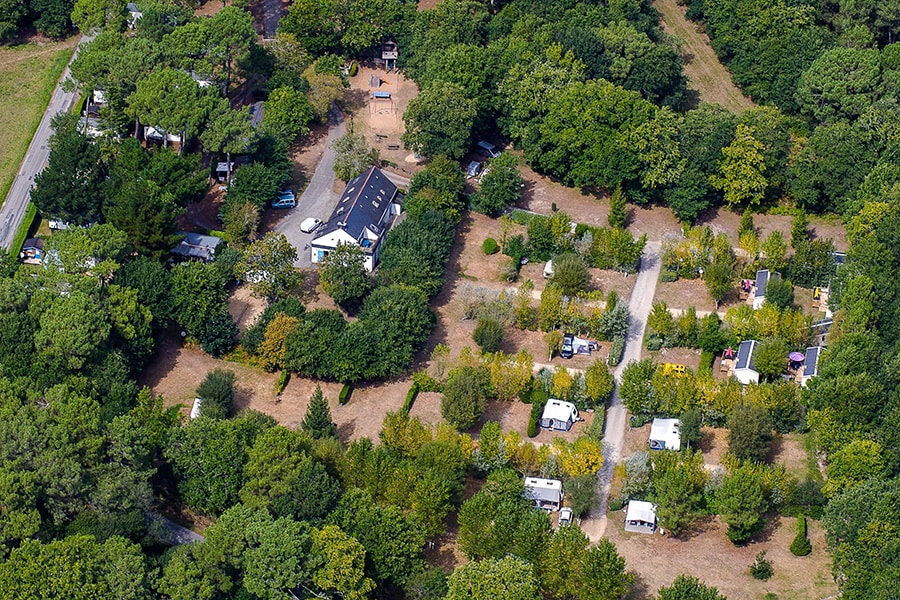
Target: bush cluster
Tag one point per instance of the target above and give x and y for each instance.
(801, 546)
(344, 396)
(410, 397)
(490, 246)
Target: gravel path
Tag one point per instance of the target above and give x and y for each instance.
(640, 304)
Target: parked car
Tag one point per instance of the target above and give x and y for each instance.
(310, 224)
(565, 516)
(487, 149)
(568, 346)
(285, 199)
(473, 169)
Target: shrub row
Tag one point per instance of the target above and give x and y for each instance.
(616, 351)
(411, 397)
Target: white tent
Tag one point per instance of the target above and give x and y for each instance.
(640, 517)
(665, 434)
(195, 409)
(559, 415)
(544, 493)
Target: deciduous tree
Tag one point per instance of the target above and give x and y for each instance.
(267, 265)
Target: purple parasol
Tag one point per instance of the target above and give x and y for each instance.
(796, 356)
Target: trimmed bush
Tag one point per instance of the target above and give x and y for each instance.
(344, 396)
(801, 546)
(616, 351)
(706, 360)
(490, 246)
(354, 69)
(411, 397)
(536, 410)
(616, 503)
(282, 382)
(217, 392)
(488, 334)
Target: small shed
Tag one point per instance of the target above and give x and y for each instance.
(559, 415)
(640, 517)
(198, 247)
(744, 369)
(32, 251)
(763, 278)
(810, 364)
(544, 493)
(665, 434)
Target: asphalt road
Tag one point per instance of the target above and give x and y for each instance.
(319, 198)
(13, 209)
(640, 304)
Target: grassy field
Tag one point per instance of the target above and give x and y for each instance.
(28, 75)
(706, 74)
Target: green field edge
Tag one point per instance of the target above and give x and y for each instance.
(57, 66)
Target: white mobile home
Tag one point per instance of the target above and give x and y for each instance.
(640, 517)
(544, 493)
(665, 434)
(810, 364)
(559, 415)
(744, 369)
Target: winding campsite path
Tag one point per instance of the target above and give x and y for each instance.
(640, 303)
(707, 75)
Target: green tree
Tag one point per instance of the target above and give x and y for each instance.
(719, 278)
(618, 214)
(229, 132)
(344, 563)
(853, 464)
(439, 120)
(198, 293)
(799, 229)
(287, 114)
(741, 503)
(508, 578)
(780, 293)
(170, 100)
(147, 215)
(677, 491)
(770, 358)
(741, 171)
(208, 456)
(317, 421)
(488, 334)
(343, 275)
(76, 567)
(241, 222)
(598, 382)
(70, 331)
(581, 493)
(841, 83)
(69, 188)
(465, 396)
(353, 156)
(749, 433)
(691, 422)
(570, 275)
(689, 588)
(267, 265)
(500, 186)
(774, 247)
(284, 479)
(217, 392)
(635, 388)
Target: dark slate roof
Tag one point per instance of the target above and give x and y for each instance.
(37, 243)
(363, 205)
(839, 258)
(745, 355)
(199, 246)
(762, 281)
(811, 362)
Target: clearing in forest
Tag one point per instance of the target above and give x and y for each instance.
(701, 65)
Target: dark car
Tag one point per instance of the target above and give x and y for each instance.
(568, 346)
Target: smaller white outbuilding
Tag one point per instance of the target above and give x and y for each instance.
(640, 517)
(559, 415)
(195, 409)
(665, 434)
(544, 493)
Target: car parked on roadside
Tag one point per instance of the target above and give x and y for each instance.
(566, 516)
(473, 169)
(285, 199)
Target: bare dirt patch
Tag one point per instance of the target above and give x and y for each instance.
(244, 307)
(689, 357)
(706, 553)
(379, 120)
(789, 450)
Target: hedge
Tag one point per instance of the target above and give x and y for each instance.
(282, 381)
(533, 419)
(344, 396)
(801, 546)
(24, 229)
(411, 397)
(616, 351)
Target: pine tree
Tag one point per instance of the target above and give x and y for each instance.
(617, 213)
(800, 229)
(746, 225)
(317, 421)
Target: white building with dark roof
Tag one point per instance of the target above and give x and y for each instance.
(810, 364)
(362, 217)
(744, 369)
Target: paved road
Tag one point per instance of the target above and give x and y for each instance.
(319, 198)
(171, 533)
(640, 304)
(35, 158)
